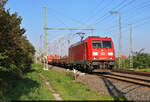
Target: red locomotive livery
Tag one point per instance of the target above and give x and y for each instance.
(56, 59)
(92, 53)
(50, 59)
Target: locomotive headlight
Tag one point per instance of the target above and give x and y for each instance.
(95, 53)
(110, 53)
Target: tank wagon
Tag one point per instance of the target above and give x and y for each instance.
(92, 53)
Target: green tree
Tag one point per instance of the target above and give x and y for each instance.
(16, 52)
(124, 63)
(141, 59)
(2, 3)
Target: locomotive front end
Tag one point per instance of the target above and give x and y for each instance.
(102, 53)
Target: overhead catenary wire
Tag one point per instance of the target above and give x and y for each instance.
(135, 25)
(63, 24)
(125, 5)
(95, 13)
(137, 22)
(72, 19)
(137, 9)
(60, 13)
(130, 18)
(60, 20)
(140, 24)
(94, 10)
(105, 16)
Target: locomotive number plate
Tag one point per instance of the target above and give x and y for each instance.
(102, 53)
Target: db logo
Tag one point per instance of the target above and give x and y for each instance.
(103, 53)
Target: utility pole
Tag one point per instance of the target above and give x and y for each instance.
(120, 42)
(45, 38)
(59, 43)
(120, 37)
(40, 45)
(91, 32)
(131, 49)
(45, 31)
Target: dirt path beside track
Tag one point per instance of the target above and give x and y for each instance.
(56, 95)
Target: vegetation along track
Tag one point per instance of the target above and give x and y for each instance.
(135, 77)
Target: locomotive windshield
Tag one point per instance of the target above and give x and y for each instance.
(101, 44)
(106, 44)
(97, 44)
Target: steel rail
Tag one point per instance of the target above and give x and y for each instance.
(132, 72)
(129, 79)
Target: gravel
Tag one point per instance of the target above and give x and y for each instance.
(112, 87)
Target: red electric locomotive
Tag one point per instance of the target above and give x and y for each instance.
(92, 53)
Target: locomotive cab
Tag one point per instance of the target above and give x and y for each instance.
(102, 50)
(102, 53)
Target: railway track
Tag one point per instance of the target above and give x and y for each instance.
(135, 77)
(133, 72)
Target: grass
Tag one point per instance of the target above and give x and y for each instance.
(140, 69)
(143, 69)
(69, 89)
(31, 87)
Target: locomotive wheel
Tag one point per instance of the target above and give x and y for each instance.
(111, 67)
(89, 71)
(84, 68)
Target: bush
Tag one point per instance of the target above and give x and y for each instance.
(140, 60)
(124, 63)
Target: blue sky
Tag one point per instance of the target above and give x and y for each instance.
(86, 14)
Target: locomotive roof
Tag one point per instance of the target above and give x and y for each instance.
(93, 37)
(79, 42)
(96, 37)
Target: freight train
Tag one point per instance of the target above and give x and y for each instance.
(92, 53)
